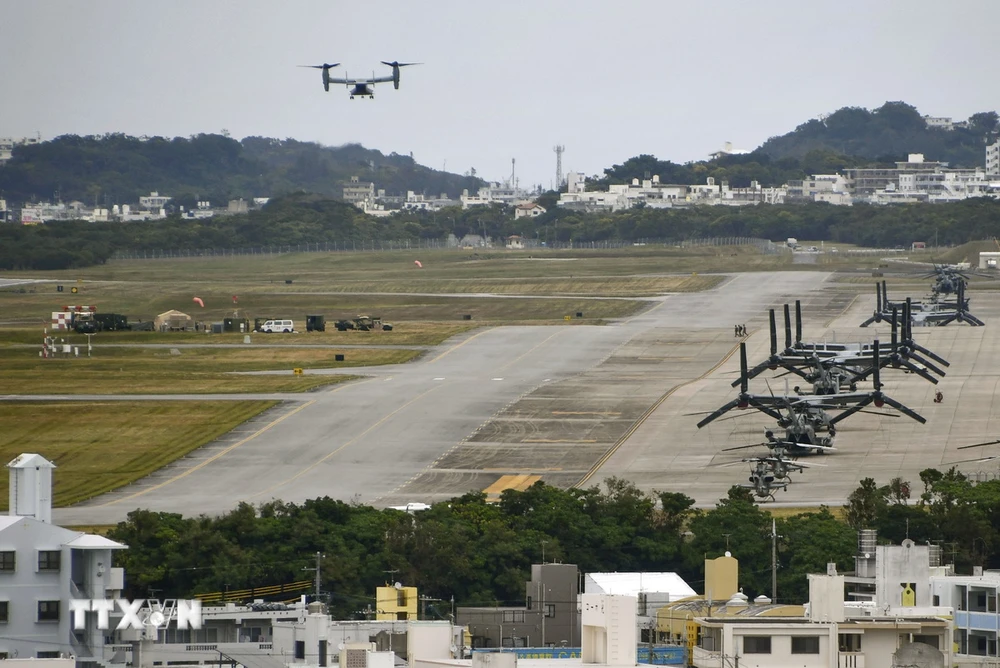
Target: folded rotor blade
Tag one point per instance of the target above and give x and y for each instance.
(774, 334)
(798, 322)
(719, 413)
(853, 409)
(904, 410)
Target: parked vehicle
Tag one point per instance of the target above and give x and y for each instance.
(283, 326)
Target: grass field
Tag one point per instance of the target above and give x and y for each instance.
(98, 447)
(194, 370)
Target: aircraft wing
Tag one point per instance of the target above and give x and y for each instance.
(380, 80)
(349, 82)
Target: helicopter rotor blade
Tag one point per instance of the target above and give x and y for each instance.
(977, 445)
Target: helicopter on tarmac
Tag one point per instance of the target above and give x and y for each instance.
(361, 87)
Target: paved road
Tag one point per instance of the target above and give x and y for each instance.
(362, 440)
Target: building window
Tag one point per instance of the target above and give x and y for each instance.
(8, 560)
(849, 642)
(513, 616)
(300, 649)
(805, 645)
(48, 611)
(47, 655)
(550, 610)
(927, 640)
(401, 598)
(4, 611)
(48, 560)
(756, 644)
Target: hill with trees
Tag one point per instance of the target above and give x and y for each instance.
(888, 133)
(118, 169)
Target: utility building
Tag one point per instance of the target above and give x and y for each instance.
(396, 602)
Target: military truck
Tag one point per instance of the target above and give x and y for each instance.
(364, 323)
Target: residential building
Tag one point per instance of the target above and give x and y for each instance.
(528, 210)
(727, 149)
(271, 635)
(154, 201)
(940, 122)
(4, 213)
(7, 145)
(863, 181)
(43, 566)
(993, 158)
(396, 602)
(357, 191)
(819, 188)
(652, 591)
(420, 202)
(495, 193)
(549, 618)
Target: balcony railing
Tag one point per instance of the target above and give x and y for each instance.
(852, 660)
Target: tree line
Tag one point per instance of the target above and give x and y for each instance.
(481, 552)
(476, 551)
(303, 218)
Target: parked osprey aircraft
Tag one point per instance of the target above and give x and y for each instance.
(360, 87)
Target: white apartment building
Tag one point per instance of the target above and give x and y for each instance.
(949, 185)
(993, 158)
(7, 145)
(154, 201)
(415, 202)
(42, 567)
(495, 193)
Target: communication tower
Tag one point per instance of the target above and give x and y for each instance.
(559, 177)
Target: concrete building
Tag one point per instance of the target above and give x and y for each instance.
(652, 591)
(4, 213)
(154, 201)
(727, 149)
(549, 618)
(7, 145)
(42, 567)
(397, 602)
(993, 158)
(357, 191)
(258, 636)
(863, 181)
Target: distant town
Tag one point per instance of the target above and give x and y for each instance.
(918, 179)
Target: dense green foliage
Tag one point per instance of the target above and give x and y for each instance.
(118, 169)
(310, 219)
(891, 131)
(478, 552)
(953, 511)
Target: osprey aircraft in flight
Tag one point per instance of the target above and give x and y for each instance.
(360, 87)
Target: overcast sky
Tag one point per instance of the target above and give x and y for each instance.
(509, 79)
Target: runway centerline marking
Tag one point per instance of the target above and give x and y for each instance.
(210, 459)
(383, 419)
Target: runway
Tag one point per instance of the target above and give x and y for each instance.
(377, 440)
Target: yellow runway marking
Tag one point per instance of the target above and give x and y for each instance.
(348, 443)
(212, 458)
(517, 482)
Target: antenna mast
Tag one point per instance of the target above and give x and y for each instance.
(559, 177)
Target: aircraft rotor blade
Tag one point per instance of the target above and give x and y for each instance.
(744, 447)
(982, 459)
(719, 413)
(853, 409)
(904, 410)
(744, 379)
(977, 445)
(798, 322)
(774, 334)
(788, 329)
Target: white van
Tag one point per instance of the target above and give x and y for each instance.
(272, 326)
